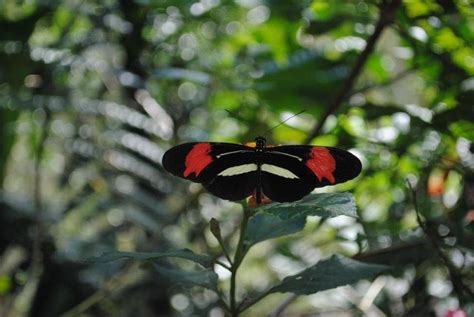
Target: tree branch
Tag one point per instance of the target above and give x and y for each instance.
(388, 82)
(387, 13)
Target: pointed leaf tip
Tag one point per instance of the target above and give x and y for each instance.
(215, 229)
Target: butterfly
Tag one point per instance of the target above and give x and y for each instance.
(281, 173)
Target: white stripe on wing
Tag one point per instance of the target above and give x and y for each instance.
(286, 154)
(233, 152)
(279, 171)
(238, 170)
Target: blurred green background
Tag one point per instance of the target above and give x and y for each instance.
(93, 92)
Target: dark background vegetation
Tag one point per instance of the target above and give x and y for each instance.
(93, 92)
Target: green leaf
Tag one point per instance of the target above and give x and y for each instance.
(327, 274)
(5, 284)
(377, 67)
(264, 226)
(204, 260)
(463, 128)
(320, 204)
(207, 278)
(276, 220)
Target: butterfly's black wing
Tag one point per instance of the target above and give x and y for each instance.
(226, 170)
(285, 178)
(283, 173)
(291, 172)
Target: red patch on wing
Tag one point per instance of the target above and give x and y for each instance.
(197, 159)
(322, 163)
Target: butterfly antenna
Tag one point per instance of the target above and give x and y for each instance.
(279, 124)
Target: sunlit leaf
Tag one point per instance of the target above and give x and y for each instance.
(5, 284)
(416, 8)
(462, 58)
(463, 128)
(377, 66)
(275, 33)
(447, 40)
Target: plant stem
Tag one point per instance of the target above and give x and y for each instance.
(238, 257)
(226, 254)
(246, 304)
(224, 250)
(281, 308)
(386, 16)
(223, 265)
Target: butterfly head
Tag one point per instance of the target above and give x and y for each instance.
(260, 142)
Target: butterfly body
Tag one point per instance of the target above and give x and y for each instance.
(281, 173)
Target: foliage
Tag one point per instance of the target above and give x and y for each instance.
(327, 274)
(92, 93)
(277, 220)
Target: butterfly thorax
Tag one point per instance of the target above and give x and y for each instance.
(260, 143)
